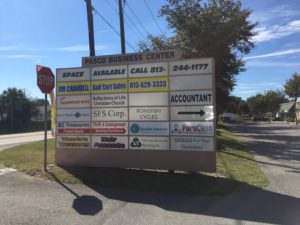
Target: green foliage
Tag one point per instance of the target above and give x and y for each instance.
(18, 109)
(292, 89)
(39, 102)
(268, 102)
(292, 86)
(236, 105)
(232, 104)
(219, 29)
(243, 107)
(234, 161)
(236, 170)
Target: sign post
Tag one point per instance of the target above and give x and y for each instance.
(45, 81)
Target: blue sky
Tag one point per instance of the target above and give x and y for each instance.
(53, 33)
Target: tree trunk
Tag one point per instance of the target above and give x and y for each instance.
(1, 109)
(11, 115)
(296, 119)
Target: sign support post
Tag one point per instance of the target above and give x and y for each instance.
(45, 81)
(45, 140)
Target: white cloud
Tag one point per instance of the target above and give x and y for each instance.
(15, 48)
(245, 90)
(273, 64)
(23, 56)
(282, 12)
(7, 48)
(104, 31)
(269, 84)
(285, 11)
(277, 31)
(81, 48)
(273, 54)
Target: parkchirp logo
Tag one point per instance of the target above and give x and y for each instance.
(136, 143)
(135, 128)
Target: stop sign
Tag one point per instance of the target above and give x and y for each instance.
(45, 79)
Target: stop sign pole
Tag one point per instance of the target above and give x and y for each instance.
(45, 82)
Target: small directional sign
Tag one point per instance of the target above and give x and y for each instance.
(192, 113)
(201, 113)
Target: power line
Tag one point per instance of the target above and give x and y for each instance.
(111, 6)
(136, 30)
(109, 24)
(135, 26)
(136, 17)
(148, 7)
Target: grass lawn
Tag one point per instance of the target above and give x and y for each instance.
(236, 170)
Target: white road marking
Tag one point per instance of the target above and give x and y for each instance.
(6, 171)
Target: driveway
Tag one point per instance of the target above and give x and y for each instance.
(277, 149)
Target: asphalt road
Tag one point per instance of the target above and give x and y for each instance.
(26, 200)
(277, 149)
(10, 140)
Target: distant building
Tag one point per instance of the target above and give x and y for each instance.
(287, 110)
(40, 115)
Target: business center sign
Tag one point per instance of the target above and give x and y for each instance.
(145, 106)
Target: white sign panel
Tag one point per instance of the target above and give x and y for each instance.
(73, 142)
(109, 128)
(192, 128)
(178, 83)
(109, 100)
(148, 99)
(192, 113)
(109, 114)
(149, 143)
(191, 66)
(148, 70)
(109, 72)
(66, 115)
(72, 74)
(149, 128)
(148, 113)
(73, 101)
(200, 97)
(73, 128)
(110, 142)
(192, 143)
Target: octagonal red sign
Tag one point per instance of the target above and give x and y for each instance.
(45, 79)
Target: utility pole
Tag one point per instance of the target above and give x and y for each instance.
(122, 27)
(89, 10)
